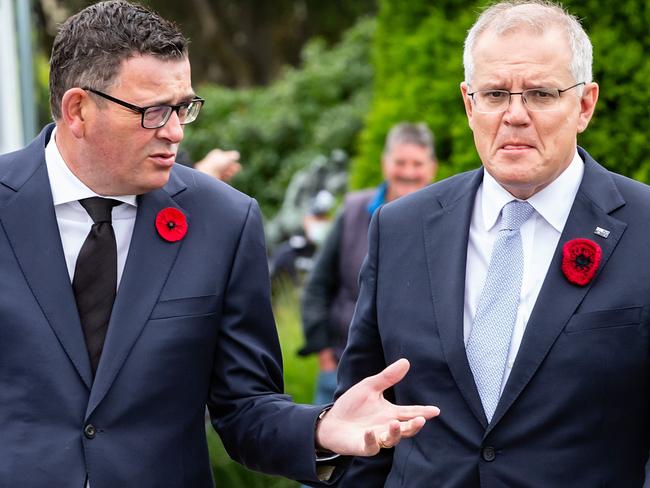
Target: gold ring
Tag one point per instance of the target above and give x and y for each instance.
(382, 445)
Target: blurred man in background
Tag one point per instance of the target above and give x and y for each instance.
(408, 164)
(294, 258)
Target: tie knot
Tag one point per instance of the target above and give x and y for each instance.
(514, 214)
(99, 208)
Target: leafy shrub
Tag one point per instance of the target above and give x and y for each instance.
(281, 128)
(417, 54)
(619, 134)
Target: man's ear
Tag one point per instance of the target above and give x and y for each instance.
(587, 105)
(75, 109)
(469, 108)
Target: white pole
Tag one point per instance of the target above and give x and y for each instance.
(26, 68)
(11, 122)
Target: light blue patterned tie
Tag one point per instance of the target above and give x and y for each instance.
(489, 339)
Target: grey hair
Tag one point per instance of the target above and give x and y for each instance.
(408, 133)
(92, 44)
(538, 15)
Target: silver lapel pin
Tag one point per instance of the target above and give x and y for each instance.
(604, 233)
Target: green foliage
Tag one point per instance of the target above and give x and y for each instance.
(299, 378)
(417, 54)
(280, 129)
(41, 69)
(619, 134)
(299, 372)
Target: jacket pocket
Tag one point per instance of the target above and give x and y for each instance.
(604, 319)
(181, 307)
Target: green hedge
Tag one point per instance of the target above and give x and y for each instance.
(281, 128)
(417, 54)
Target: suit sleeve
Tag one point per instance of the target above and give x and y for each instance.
(364, 356)
(259, 425)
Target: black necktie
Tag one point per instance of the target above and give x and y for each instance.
(95, 276)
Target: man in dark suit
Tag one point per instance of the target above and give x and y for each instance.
(520, 291)
(135, 291)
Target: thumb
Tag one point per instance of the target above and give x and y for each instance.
(391, 375)
(232, 154)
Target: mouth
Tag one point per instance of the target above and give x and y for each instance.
(402, 181)
(165, 159)
(516, 146)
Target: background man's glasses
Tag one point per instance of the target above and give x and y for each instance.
(156, 116)
(535, 99)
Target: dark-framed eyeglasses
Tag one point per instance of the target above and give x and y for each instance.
(535, 99)
(155, 116)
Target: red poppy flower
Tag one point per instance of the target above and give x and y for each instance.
(171, 224)
(580, 260)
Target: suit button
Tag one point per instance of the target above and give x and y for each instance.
(90, 431)
(488, 454)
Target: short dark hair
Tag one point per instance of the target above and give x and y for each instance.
(92, 44)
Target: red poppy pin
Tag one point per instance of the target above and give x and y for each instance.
(580, 260)
(171, 224)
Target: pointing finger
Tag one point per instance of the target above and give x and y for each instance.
(407, 412)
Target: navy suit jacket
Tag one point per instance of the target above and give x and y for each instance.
(575, 410)
(191, 325)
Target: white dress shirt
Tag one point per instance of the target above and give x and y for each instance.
(539, 237)
(73, 220)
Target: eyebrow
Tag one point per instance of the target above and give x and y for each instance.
(527, 85)
(489, 85)
(167, 101)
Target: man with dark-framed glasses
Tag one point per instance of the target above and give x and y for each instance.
(155, 116)
(519, 291)
(135, 291)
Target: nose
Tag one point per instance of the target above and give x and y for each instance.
(410, 171)
(517, 112)
(172, 130)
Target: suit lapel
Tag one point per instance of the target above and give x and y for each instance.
(147, 267)
(448, 228)
(558, 299)
(28, 218)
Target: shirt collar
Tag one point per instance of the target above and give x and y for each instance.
(379, 199)
(553, 203)
(66, 187)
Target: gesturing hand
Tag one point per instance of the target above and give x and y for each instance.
(223, 165)
(362, 421)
